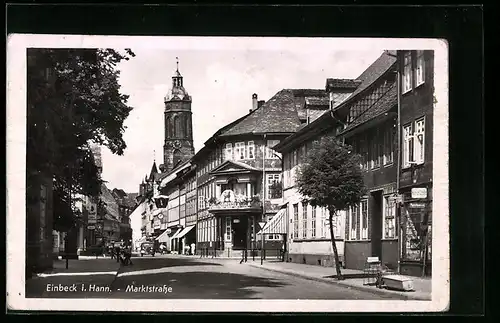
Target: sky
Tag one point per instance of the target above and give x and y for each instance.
(221, 82)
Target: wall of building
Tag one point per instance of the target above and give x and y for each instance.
(416, 104)
(39, 224)
(356, 253)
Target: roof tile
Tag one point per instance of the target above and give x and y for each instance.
(383, 105)
(279, 114)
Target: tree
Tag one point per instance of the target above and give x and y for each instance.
(331, 178)
(74, 101)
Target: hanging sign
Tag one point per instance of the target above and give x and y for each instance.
(417, 205)
(262, 224)
(92, 215)
(419, 193)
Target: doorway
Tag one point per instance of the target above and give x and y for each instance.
(376, 211)
(239, 226)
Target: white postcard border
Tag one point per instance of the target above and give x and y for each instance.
(16, 177)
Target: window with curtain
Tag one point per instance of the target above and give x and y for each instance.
(419, 68)
(239, 151)
(388, 145)
(419, 136)
(407, 72)
(295, 221)
(228, 151)
(304, 220)
(251, 150)
(313, 222)
(389, 217)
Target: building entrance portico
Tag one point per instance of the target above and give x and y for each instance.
(236, 206)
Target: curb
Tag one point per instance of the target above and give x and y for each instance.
(372, 290)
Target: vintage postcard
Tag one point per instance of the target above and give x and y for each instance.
(227, 174)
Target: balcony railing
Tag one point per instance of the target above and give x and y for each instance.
(238, 203)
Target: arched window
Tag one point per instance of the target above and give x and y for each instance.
(178, 127)
(168, 127)
(186, 126)
(174, 126)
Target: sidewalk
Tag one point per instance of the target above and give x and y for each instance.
(422, 286)
(82, 265)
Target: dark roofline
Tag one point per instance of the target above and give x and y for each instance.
(327, 115)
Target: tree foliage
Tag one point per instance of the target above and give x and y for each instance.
(74, 100)
(331, 176)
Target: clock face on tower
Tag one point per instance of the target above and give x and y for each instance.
(177, 144)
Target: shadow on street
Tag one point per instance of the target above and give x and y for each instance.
(195, 284)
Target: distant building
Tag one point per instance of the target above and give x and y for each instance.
(239, 180)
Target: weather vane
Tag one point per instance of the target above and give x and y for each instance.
(177, 59)
(154, 155)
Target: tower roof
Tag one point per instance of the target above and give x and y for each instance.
(154, 171)
(177, 92)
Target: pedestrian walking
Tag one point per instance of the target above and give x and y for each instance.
(117, 253)
(127, 255)
(192, 248)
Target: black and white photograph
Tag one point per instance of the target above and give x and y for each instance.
(227, 174)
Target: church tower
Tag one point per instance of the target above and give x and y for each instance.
(178, 146)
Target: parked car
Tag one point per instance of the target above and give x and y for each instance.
(147, 249)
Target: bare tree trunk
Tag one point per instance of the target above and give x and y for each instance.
(334, 245)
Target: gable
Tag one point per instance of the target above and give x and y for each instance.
(230, 166)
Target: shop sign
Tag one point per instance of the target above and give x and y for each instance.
(92, 215)
(417, 205)
(419, 193)
(91, 227)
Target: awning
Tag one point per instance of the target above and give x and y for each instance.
(277, 225)
(176, 233)
(163, 237)
(140, 240)
(184, 231)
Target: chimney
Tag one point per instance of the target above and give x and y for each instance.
(254, 102)
(260, 103)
